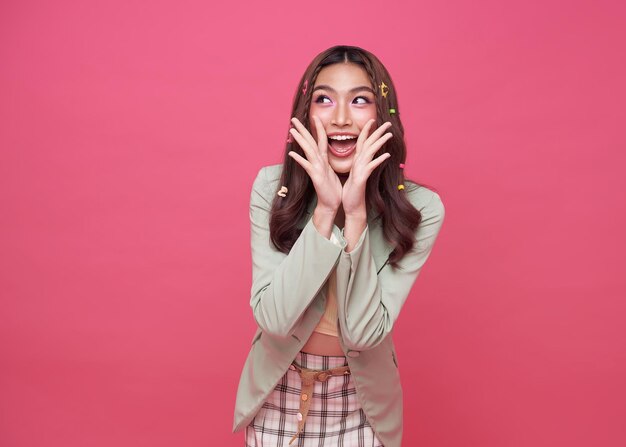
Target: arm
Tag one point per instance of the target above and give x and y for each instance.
(369, 304)
(283, 285)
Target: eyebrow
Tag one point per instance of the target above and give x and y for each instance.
(354, 90)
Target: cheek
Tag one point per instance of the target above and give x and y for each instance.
(323, 113)
(325, 116)
(364, 115)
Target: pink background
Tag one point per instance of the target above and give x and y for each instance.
(131, 132)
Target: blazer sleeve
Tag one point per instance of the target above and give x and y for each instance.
(369, 304)
(283, 285)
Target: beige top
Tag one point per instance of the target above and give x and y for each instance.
(328, 324)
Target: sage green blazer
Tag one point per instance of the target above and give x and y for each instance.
(288, 300)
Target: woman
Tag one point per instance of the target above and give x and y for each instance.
(338, 237)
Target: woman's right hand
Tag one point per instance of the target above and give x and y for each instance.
(327, 184)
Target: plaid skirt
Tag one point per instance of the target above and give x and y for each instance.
(335, 417)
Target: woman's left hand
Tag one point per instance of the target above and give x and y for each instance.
(353, 193)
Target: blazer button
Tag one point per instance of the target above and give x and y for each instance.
(353, 354)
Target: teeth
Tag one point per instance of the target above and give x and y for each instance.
(342, 137)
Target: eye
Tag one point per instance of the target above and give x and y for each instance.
(320, 97)
(365, 98)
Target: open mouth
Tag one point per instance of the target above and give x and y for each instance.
(341, 146)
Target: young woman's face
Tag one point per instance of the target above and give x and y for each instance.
(344, 102)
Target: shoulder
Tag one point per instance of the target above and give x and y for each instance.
(425, 199)
(422, 198)
(265, 184)
(271, 173)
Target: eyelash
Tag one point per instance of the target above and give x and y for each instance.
(367, 101)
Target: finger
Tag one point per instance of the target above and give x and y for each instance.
(306, 165)
(322, 138)
(371, 150)
(378, 132)
(360, 141)
(304, 132)
(378, 161)
(304, 144)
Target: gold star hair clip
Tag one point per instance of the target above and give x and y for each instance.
(384, 89)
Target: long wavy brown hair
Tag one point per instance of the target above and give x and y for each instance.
(400, 218)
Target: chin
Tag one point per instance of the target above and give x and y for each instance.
(340, 171)
(341, 167)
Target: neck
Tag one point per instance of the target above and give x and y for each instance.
(340, 218)
(343, 178)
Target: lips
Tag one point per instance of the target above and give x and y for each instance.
(343, 147)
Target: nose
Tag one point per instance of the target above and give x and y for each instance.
(341, 116)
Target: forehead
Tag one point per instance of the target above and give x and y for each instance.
(343, 76)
